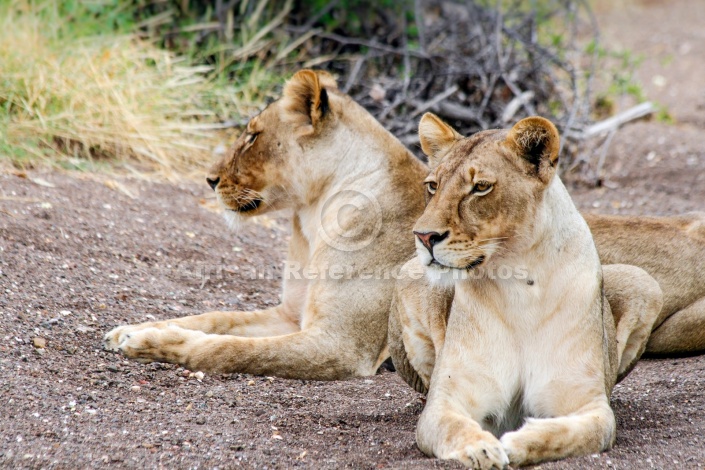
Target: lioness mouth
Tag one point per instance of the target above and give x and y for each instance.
(480, 259)
(250, 206)
(475, 263)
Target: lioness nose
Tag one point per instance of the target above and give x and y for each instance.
(430, 239)
(213, 182)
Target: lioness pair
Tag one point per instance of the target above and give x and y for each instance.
(543, 346)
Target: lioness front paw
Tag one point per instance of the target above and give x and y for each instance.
(150, 344)
(114, 337)
(486, 453)
(514, 447)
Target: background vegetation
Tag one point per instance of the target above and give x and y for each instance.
(153, 83)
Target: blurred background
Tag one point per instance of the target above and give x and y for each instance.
(164, 85)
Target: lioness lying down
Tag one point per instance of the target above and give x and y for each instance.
(317, 153)
(521, 364)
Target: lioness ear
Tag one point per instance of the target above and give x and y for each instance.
(536, 140)
(306, 98)
(436, 138)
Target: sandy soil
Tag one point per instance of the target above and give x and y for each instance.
(80, 254)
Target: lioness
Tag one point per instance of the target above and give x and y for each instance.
(521, 364)
(312, 151)
(355, 192)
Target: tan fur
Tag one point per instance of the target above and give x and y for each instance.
(519, 368)
(314, 152)
(672, 250)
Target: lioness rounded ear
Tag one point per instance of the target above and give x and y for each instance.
(436, 138)
(306, 99)
(536, 140)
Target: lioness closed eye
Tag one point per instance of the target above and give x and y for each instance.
(519, 367)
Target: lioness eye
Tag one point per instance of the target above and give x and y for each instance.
(250, 139)
(482, 188)
(432, 186)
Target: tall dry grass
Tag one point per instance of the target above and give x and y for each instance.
(106, 97)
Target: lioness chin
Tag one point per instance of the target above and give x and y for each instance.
(520, 367)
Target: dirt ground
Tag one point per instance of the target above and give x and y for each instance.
(80, 254)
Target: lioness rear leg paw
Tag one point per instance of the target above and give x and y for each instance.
(483, 454)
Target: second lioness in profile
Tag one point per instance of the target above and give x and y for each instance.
(521, 361)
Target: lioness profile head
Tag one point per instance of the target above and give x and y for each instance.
(483, 192)
(259, 172)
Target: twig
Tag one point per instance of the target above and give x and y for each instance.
(603, 152)
(420, 26)
(616, 121)
(329, 6)
(365, 43)
(515, 104)
(422, 107)
(455, 111)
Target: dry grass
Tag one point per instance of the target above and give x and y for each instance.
(106, 97)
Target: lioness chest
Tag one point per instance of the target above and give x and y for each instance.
(534, 338)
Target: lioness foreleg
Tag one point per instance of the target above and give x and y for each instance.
(417, 324)
(270, 322)
(588, 430)
(448, 431)
(328, 346)
(309, 354)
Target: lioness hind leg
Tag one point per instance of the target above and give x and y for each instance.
(681, 333)
(270, 322)
(635, 299)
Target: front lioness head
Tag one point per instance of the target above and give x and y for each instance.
(484, 191)
(259, 172)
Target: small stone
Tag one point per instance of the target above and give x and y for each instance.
(186, 373)
(113, 368)
(251, 382)
(200, 420)
(209, 393)
(65, 312)
(135, 388)
(39, 343)
(199, 375)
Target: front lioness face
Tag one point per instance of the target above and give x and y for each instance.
(258, 174)
(483, 191)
